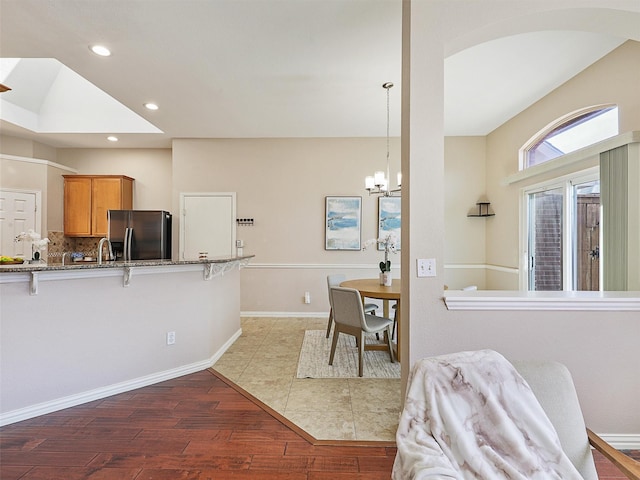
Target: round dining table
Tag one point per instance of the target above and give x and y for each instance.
(371, 288)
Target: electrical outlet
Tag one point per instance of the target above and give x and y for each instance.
(307, 297)
(171, 338)
(426, 267)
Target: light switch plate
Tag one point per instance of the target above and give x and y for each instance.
(426, 267)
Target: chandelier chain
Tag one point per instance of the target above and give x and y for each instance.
(379, 183)
(387, 88)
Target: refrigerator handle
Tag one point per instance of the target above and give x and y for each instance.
(127, 244)
(124, 246)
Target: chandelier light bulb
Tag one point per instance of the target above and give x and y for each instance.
(369, 183)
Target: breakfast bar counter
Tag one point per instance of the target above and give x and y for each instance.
(47, 267)
(34, 273)
(83, 331)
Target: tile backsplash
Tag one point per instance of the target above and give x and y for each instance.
(59, 244)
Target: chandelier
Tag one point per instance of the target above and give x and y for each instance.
(378, 184)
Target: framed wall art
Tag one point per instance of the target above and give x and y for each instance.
(343, 223)
(389, 216)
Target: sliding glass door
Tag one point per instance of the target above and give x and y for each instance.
(562, 234)
(586, 233)
(545, 240)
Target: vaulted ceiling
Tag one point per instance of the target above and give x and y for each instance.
(255, 68)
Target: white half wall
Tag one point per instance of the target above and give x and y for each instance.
(87, 334)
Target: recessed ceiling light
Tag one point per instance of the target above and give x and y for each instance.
(100, 50)
(151, 106)
(111, 138)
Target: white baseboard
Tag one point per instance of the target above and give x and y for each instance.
(103, 392)
(216, 356)
(618, 441)
(622, 441)
(286, 314)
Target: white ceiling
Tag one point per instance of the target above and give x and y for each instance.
(257, 68)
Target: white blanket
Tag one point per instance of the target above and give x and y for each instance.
(470, 415)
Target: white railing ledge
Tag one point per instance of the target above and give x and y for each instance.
(520, 300)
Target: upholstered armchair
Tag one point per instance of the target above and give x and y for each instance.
(474, 415)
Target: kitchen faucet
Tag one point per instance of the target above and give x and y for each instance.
(102, 242)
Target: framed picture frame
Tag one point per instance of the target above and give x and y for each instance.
(389, 218)
(343, 223)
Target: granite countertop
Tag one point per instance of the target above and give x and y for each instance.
(44, 267)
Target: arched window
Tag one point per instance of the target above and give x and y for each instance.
(560, 217)
(568, 134)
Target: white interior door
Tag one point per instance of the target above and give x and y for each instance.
(18, 213)
(208, 224)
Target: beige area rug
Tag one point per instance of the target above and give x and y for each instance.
(314, 358)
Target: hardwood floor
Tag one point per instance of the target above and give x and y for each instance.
(192, 427)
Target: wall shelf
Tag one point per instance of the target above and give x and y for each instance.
(483, 210)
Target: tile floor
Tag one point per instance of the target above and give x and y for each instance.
(263, 361)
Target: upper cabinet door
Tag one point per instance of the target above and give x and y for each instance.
(108, 193)
(87, 199)
(77, 203)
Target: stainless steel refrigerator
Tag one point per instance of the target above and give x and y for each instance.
(140, 234)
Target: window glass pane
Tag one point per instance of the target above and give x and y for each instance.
(545, 240)
(586, 235)
(577, 133)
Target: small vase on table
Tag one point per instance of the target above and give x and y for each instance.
(385, 273)
(385, 279)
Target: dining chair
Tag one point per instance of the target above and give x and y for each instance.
(395, 320)
(335, 281)
(350, 318)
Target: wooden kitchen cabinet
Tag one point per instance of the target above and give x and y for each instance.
(87, 199)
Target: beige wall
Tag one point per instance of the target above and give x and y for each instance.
(23, 175)
(46, 152)
(29, 176)
(612, 80)
(151, 169)
(26, 148)
(282, 185)
(16, 146)
(38, 176)
(600, 348)
(295, 175)
(465, 184)
(53, 210)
